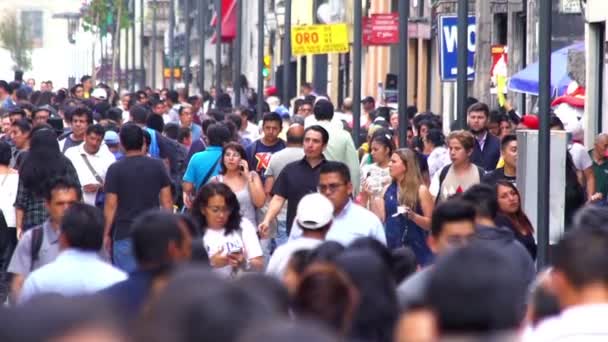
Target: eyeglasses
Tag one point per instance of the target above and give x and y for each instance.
(331, 188)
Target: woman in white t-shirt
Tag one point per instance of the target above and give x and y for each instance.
(230, 240)
(376, 176)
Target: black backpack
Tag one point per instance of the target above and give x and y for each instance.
(36, 244)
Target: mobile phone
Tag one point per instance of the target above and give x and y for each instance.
(234, 249)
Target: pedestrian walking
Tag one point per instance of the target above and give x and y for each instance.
(80, 240)
(133, 185)
(231, 241)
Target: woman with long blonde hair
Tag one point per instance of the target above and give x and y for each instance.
(406, 206)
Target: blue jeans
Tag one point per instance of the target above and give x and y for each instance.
(281, 238)
(122, 255)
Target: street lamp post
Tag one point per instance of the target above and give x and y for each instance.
(133, 46)
(356, 51)
(461, 79)
(218, 47)
(171, 43)
(236, 77)
(153, 62)
(186, 73)
(286, 53)
(141, 44)
(404, 14)
(260, 93)
(544, 141)
(202, 18)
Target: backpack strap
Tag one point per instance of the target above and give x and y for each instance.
(442, 174)
(37, 235)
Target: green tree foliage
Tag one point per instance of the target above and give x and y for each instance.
(100, 16)
(16, 39)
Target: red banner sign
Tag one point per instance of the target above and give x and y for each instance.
(381, 29)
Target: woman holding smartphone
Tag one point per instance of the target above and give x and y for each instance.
(376, 176)
(230, 240)
(246, 185)
(406, 206)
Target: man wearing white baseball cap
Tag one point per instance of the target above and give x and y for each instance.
(314, 217)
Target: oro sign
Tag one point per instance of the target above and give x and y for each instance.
(319, 39)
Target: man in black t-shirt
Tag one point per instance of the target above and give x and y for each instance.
(133, 185)
(298, 178)
(508, 147)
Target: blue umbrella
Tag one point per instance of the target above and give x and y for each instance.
(526, 80)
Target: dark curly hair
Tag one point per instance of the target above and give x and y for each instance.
(44, 161)
(238, 148)
(202, 199)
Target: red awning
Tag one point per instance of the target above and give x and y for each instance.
(228, 21)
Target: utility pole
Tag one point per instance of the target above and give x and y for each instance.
(133, 45)
(202, 25)
(172, 44)
(186, 73)
(142, 69)
(236, 77)
(544, 141)
(125, 73)
(356, 51)
(260, 79)
(483, 48)
(404, 15)
(218, 47)
(286, 53)
(461, 79)
(153, 52)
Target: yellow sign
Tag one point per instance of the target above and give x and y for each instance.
(319, 39)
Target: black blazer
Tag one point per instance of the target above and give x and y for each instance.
(488, 158)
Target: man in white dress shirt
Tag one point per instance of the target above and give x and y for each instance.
(351, 221)
(78, 269)
(91, 161)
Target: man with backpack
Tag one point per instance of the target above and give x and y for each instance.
(40, 245)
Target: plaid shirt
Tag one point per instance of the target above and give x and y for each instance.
(33, 206)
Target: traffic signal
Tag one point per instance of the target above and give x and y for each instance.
(266, 69)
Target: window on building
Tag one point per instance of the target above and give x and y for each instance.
(33, 23)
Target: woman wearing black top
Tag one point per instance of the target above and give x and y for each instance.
(511, 215)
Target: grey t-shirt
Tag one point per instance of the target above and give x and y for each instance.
(280, 159)
(21, 262)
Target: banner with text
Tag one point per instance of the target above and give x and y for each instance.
(319, 39)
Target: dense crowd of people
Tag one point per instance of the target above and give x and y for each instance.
(160, 216)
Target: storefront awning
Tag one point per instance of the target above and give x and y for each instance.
(228, 21)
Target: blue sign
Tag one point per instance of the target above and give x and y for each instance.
(448, 34)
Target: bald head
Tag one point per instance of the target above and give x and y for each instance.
(347, 104)
(295, 135)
